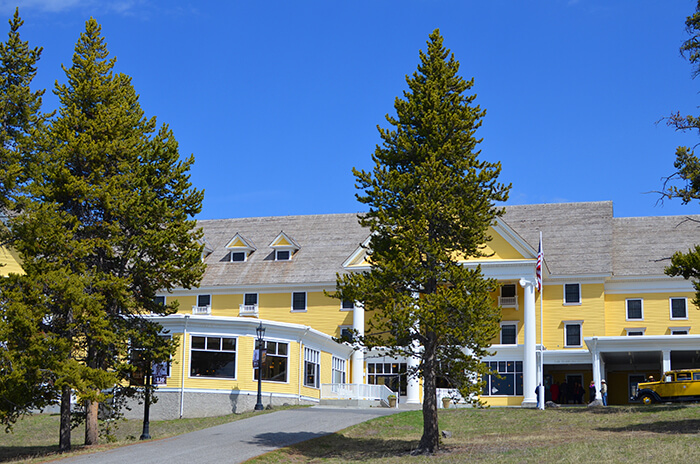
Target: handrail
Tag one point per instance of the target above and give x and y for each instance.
(356, 391)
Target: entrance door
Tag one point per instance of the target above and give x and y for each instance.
(575, 387)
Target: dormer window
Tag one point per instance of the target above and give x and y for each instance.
(240, 249)
(284, 247)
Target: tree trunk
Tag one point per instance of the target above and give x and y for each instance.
(430, 441)
(91, 428)
(64, 429)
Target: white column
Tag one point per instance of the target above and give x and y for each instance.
(597, 369)
(666, 364)
(358, 356)
(530, 355)
(413, 385)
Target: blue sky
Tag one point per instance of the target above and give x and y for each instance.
(278, 100)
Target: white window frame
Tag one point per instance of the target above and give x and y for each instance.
(200, 308)
(508, 301)
(670, 308)
(277, 256)
(629, 331)
(578, 323)
(306, 303)
(338, 367)
(627, 309)
(342, 308)
(312, 358)
(210, 335)
(344, 327)
(515, 323)
(571, 303)
(268, 356)
(679, 329)
(244, 253)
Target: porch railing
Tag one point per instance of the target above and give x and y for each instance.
(356, 391)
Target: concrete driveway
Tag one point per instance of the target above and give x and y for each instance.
(238, 441)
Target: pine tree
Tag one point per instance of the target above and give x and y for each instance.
(431, 201)
(25, 353)
(684, 183)
(108, 225)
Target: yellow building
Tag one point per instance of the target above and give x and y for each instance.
(606, 310)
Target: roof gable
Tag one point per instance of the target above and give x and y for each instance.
(240, 243)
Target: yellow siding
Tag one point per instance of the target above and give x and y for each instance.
(512, 314)
(499, 248)
(655, 310)
(591, 311)
(9, 262)
(186, 303)
(226, 305)
(282, 242)
(322, 313)
(502, 400)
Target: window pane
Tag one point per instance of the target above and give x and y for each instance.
(573, 335)
(508, 291)
(501, 366)
(510, 366)
(213, 364)
(213, 343)
(160, 299)
(229, 344)
(572, 293)
(370, 368)
(518, 366)
(283, 255)
(678, 308)
(634, 309)
(250, 299)
(504, 385)
(199, 342)
(282, 349)
(203, 300)
(299, 301)
(508, 335)
(347, 304)
(237, 256)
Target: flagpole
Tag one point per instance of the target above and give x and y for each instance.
(540, 259)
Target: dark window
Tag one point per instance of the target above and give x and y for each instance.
(573, 334)
(346, 334)
(203, 300)
(347, 304)
(282, 255)
(509, 335)
(635, 333)
(572, 293)
(250, 299)
(299, 301)
(507, 378)
(159, 300)
(274, 367)
(678, 308)
(237, 256)
(311, 368)
(634, 309)
(213, 357)
(679, 332)
(508, 291)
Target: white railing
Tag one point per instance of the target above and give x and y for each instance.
(508, 301)
(356, 391)
(205, 310)
(451, 393)
(248, 310)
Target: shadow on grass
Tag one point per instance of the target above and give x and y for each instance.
(681, 427)
(14, 453)
(622, 409)
(339, 446)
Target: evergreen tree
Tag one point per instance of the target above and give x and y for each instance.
(107, 226)
(25, 352)
(20, 116)
(684, 183)
(431, 201)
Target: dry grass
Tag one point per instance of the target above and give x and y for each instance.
(567, 435)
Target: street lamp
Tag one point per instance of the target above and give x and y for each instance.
(260, 330)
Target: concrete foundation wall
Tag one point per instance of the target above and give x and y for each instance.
(206, 404)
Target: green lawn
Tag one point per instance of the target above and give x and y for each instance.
(35, 438)
(666, 434)
(660, 433)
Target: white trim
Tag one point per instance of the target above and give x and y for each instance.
(306, 303)
(648, 284)
(213, 335)
(685, 328)
(580, 298)
(635, 329)
(289, 364)
(670, 308)
(580, 324)
(627, 315)
(516, 324)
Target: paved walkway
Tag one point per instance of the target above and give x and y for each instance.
(240, 440)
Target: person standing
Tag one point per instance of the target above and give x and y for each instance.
(591, 391)
(604, 392)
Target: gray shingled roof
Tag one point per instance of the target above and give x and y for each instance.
(578, 239)
(644, 245)
(325, 242)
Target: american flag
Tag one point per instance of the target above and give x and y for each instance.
(538, 268)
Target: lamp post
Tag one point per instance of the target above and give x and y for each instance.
(260, 330)
(147, 383)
